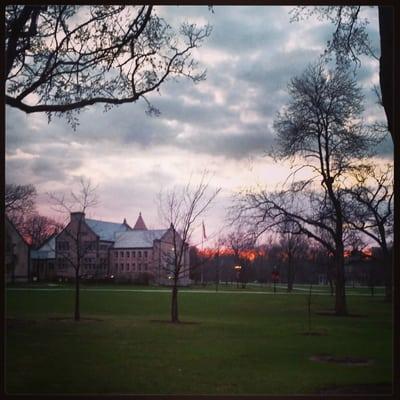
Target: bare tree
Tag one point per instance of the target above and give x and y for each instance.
(36, 229)
(181, 209)
(240, 242)
(76, 231)
(320, 126)
(350, 41)
(61, 58)
(19, 199)
(292, 246)
(370, 210)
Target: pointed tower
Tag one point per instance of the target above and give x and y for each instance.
(126, 224)
(140, 225)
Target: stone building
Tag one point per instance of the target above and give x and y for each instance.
(17, 257)
(43, 260)
(117, 251)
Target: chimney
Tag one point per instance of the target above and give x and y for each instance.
(77, 216)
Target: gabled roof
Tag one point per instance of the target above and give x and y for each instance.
(138, 238)
(47, 250)
(106, 230)
(140, 225)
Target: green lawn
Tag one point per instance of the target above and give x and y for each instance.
(238, 343)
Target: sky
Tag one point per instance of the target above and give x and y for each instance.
(222, 124)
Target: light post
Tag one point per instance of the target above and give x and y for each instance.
(237, 268)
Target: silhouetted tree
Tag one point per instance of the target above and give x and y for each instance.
(19, 199)
(75, 232)
(61, 58)
(350, 41)
(181, 209)
(321, 127)
(370, 210)
(36, 229)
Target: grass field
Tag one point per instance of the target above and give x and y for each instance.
(236, 341)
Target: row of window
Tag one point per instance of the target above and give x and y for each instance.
(64, 246)
(127, 267)
(132, 253)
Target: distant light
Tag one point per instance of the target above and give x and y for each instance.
(112, 276)
(237, 267)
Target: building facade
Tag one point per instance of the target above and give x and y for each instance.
(116, 251)
(43, 261)
(17, 255)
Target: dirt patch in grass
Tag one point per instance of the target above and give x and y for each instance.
(333, 314)
(165, 321)
(366, 388)
(19, 323)
(346, 360)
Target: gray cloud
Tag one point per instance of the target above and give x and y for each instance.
(203, 119)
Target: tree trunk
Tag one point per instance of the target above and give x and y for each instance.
(174, 303)
(340, 291)
(386, 62)
(77, 315)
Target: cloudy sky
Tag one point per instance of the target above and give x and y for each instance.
(223, 124)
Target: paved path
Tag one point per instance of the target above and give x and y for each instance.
(314, 293)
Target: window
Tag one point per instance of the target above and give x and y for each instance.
(128, 253)
(145, 267)
(121, 267)
(139, 254)
(127, 267)
(133, 267)
(145, 254)
(116, 254)
(121, 253)
(139, 267)
(133, 253)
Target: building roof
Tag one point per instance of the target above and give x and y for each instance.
(138, 238)
(140, 225)
(46, 251)
(106, 230)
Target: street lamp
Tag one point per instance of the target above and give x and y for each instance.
(237, 268)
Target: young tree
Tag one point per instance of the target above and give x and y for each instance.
(181, 209)
(321, 127)
(370, 210)
(292, 246)
(61, 58)
(76, 231)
